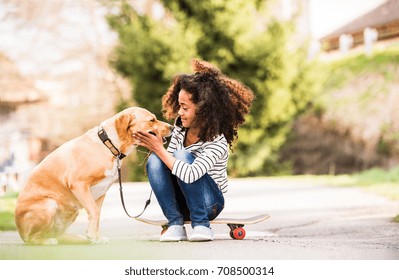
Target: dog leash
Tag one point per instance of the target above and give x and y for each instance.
(121, 193)
(102, 134)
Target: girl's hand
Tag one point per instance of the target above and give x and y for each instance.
(149, 140)
(154, 143)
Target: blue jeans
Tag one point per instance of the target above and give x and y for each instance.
(199, 202)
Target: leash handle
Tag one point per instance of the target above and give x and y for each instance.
(121, 194)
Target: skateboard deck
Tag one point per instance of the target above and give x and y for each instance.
(235, 224)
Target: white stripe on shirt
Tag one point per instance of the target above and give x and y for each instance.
(210, 157)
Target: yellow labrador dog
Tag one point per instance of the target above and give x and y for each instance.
(77, 175)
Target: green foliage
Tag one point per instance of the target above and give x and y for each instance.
(245, 42)
(350, 97)
(149, 54)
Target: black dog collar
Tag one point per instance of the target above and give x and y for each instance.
(108, 143)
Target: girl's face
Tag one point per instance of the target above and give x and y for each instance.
(187, 108)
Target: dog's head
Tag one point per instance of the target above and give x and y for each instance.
(133, 119)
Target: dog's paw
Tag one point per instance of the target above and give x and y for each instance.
(100, 240)
(50, 241)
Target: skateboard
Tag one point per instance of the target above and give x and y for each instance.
(236, 226)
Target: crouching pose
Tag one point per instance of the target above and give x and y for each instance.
(190, 176)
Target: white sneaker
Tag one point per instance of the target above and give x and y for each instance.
(201, 233)
(174, 233)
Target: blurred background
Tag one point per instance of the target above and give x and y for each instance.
(325, 74)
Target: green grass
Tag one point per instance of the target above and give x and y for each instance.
(7, 221)
(7, 206)
(376, 180)
(351, 66)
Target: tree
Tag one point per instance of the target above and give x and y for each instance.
(244, 42)
(149, 54)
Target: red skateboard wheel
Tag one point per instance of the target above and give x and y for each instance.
(238, 233)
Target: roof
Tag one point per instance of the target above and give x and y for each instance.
(386, 13)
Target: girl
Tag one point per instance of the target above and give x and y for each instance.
(190, 176)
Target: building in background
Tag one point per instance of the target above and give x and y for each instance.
(336, 27)
(379, 24)
(19, 150)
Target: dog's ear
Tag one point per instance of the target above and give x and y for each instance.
(122, 125)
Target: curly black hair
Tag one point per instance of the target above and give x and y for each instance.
(221, 102)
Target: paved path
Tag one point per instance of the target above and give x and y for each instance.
(308, 221)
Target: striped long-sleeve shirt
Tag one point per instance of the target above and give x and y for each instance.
(210, 157)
